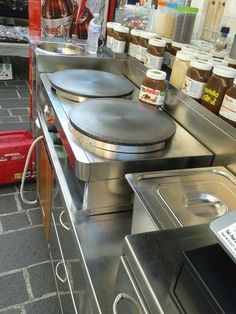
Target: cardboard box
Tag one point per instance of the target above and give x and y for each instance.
(5, 69)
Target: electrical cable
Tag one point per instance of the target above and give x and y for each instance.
(25, 171)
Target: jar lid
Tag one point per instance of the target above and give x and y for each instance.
(112, 24)
(234, 82)
(230, 60)
(157, 42)
(204, 55)
(224, 71)
(217, 61)
(176, 44)
(206, 47)
(147, 35)
(156, 74)
(201, 65)
(121, 29)
(186, 9)
(185, 55)
(172, 5)
(167, 40)
(135, 32)
(219, 54)
(190, 49)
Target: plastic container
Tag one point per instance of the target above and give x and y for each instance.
(94, 32)
(153, 88)
(228, 107)
(165, 20)
(155, 53)
(232, 53)
(221, 79)
(180, 68)
(221, 41)
(196, 78)
(184, 25)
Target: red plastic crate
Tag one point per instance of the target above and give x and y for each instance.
(14, 147)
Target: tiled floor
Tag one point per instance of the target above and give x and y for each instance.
(26, 279)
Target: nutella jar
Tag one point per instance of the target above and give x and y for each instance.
(204, 55)
(120, 38)
(153, 88)
(217, 62)
(155, 53)
(228, 107)
(174, 48)
(196, 78)
(219, 54)
(222, 78)
(133, 42)
(142, 44)
(110, 34)
(231, 62)
(167, 50)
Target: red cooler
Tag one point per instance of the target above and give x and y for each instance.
(14, 147)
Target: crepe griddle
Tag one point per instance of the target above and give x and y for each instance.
(121, 122)
(74, 83)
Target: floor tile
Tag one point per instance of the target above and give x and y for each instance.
(12, 289)
(14, 103)
(9, 119)
(14, 126)
(35, 216)
(45, 306)
(30, 196)
(14, 221)
(41, 279)
(7, 204)
(13, 311)
(23, 248)
(19, 111)
(7, 189)
(8, 94)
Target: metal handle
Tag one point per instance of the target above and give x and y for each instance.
(56, 271)
(62, 223)
(127, 297)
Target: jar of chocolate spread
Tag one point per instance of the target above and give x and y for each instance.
(221, 79)
(196, 78)
(228, 107)
(153, 88)
(142, 45)
(155, 53)
(133, 42)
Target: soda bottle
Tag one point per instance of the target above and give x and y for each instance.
(56, 17)
(94, 33)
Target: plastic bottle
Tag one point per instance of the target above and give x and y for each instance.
(221, 42)
(94, 32)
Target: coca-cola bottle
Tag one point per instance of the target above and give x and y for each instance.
(56, 17)
(80, 21)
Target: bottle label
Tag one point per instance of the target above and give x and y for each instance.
(141, 53)
(228, 108)
(118, 46)
(152, 96)
(56, 27)
(132, 50)
(109, 41)
(153, 62)
(193, 88)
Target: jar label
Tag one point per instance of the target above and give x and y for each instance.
(132, 50)
(152, 96)
(141, 53)
(109, 41)
(56, 27)
(228, 108)
(193, 88)
(153, 62)
(210, 96)
(118, 46)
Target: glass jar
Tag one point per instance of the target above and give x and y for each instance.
(219, 54)
(228, 107)
(110, 35)
(180, 68)
(120, 38)
(153, 88)
(221, 79)
(204, 55)
(155, 53)
(231, 62)
(217, 62)
(196, 78)
(133, 42)
(184, 24)
(142, 44)
(174, 48)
